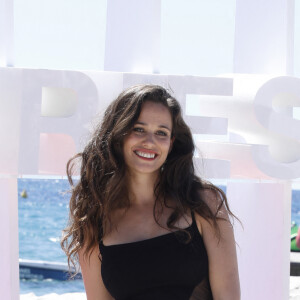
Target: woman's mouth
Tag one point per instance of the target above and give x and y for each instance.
(145, 155)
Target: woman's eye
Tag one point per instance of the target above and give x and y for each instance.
(162, 133)
(138, 129)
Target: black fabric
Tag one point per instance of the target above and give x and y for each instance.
(162, 267)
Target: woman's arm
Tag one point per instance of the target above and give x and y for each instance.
(91, 273)
(222, 258)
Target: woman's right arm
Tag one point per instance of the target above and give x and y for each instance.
(91, 272)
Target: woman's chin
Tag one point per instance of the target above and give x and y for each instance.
(145, 171)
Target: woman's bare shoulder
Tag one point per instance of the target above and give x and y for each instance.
(213, 197)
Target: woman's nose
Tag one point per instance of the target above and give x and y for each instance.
(148, 139)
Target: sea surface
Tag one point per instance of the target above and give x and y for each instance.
(43, 215)
(296, 206)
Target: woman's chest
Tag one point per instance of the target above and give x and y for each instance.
(161, 264)
(138, 226)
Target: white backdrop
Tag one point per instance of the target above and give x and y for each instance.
(45, 118)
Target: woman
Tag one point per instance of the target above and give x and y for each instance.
(142, 224)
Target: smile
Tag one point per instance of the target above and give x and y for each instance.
(145, 154)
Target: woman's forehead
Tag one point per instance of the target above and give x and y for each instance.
(153, 112)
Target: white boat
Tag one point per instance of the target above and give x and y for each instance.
(39, 270)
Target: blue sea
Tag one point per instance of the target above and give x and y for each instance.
(43, 215)
(296, 206)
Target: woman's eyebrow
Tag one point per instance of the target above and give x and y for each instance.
(160, 126)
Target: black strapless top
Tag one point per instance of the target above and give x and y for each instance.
(159, 268)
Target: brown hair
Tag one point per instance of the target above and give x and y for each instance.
(101, 183)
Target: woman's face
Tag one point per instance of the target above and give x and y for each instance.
(148, 144)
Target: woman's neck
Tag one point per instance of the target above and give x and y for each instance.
(141, 188)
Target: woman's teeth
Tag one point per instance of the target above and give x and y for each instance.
(143, 154)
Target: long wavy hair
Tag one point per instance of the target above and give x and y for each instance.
(102, 171)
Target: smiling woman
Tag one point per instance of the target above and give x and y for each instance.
(142, 224)
(147, 146)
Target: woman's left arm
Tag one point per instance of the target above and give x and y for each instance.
(222, 258)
